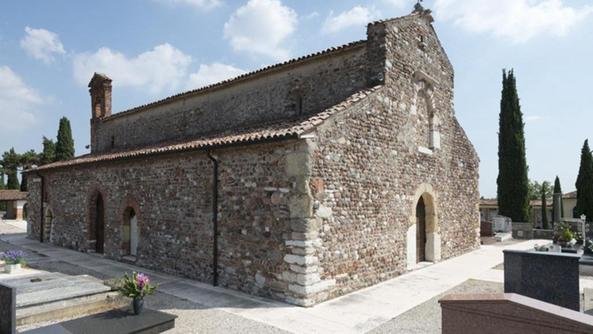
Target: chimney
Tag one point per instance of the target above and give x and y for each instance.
(100, 89)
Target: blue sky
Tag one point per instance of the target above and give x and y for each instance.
(154, 48)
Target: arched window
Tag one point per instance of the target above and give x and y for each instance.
(427, 126)
(130, 233)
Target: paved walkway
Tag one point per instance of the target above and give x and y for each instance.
(357, 312)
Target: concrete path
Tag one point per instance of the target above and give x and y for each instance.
(357, 312)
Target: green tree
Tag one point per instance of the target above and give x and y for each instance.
(557, 190)
(512, 181)
(65, 143)
(26, 161)
(545, 192)
(10, 163)
(2, 186)
(49, 151)
(584, 183)
(534, 190)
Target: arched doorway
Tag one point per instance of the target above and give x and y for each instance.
(48, 225)
(420, 231)
(97, 231)
(423, 238)
(130, 232)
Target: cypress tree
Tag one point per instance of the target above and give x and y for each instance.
(584, 183)
(512, 181)
(545, 190)
(65, 143)
(13, 180)
(49, 151)
(2, 186)
(11, 162)
(557, 190)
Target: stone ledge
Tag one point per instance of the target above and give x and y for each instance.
(311, 289)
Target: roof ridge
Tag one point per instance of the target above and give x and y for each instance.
(278, 129)
(244, 76)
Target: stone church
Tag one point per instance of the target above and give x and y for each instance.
(301, 181)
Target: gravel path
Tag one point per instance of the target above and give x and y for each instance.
(426, 318)
(194, 318)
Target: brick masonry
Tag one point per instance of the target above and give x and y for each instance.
(301, 220)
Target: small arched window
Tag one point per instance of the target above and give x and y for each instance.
(130, 232)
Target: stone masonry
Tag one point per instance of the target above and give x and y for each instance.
(299, 182)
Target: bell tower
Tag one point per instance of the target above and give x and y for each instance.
(100, 89)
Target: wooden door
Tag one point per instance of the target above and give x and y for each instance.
(420, 231)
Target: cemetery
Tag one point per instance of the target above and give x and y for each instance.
(348, 190)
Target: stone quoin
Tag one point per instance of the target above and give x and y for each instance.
(300, 182)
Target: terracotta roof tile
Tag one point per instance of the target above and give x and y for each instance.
(246, 76)
(274, 130)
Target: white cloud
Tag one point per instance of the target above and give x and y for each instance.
(42, 44)
(398, 3)
(261, 27)
(200, 4)
(162, 68)
(212, 73)
(514, 20)
(358, 16)
(533, 118)
(17, 101)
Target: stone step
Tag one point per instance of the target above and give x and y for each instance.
(70, 308)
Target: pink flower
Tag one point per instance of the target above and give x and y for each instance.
(142, 280)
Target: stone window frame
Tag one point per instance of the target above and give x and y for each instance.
(129, 203)
(424, 88)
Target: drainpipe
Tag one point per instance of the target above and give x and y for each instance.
(42, 216)
(215, 163)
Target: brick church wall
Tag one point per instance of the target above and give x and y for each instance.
(321, 83)
(368, 167)
(172, 196)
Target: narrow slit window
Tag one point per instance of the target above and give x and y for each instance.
(299, 105)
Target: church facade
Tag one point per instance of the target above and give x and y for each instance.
(300, 182)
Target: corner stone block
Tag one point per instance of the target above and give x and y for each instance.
(311, 289)
(305, 225)
(305, 269)
(297, 164)
(301, 260)
(299, 206)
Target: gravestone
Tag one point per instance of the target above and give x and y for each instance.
(546, 276)
(588, 301)
(7, 310)
(502, 224)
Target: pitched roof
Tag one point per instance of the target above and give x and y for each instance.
(243, 77)
(284, 129)
(572, 194)
(12, 195)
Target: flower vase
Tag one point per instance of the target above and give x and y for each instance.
(138, 305)
(12, 268)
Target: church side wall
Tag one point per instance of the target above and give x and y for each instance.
(370, 168)
(319, 83)
(172, 196)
